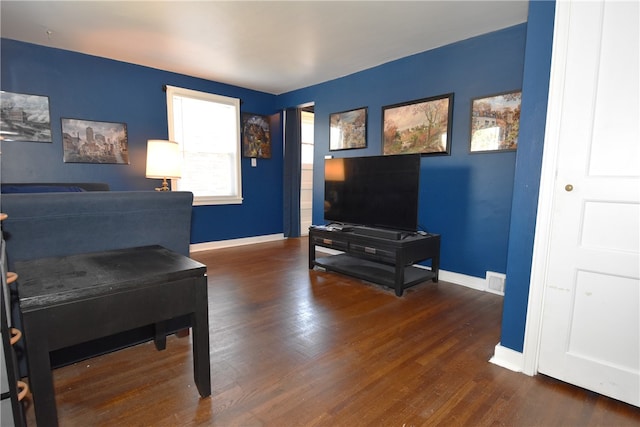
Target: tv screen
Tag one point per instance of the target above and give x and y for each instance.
(376, 191)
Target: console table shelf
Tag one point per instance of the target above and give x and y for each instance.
(388, 262)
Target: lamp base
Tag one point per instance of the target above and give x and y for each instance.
(165, 186)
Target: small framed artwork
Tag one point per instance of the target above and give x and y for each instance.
(24, 117)
(256, 136)
(422, 126)
(495, 122)
(348, 129)
(85, 141)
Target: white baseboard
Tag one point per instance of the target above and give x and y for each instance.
(472, 282)
(507, 358)
(197, 247)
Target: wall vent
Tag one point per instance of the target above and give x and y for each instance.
(495, 282)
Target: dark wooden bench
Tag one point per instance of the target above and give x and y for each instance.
(73, 299)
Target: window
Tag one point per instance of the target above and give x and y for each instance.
(207, 127)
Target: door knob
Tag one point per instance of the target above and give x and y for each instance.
(568, 187)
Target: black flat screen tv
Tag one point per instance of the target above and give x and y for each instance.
(375, 191)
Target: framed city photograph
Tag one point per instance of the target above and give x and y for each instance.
(256, 136)
(348, 129)
(24, 117)
(422, 126)
(85, 141)
(495, 122)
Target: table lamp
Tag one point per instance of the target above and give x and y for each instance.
(163, 161)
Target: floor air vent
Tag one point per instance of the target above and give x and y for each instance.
(495, 282)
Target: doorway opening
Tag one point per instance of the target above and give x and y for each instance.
(306, 168)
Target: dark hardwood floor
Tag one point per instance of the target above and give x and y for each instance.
(294, 347)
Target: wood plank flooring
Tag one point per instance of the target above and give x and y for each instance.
(294, 347)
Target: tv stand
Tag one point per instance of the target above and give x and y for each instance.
(385, 261)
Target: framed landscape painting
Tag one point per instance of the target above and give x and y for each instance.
(24, 117)
(495, 122)
(422, 126)
(85, 141)
(348, 129)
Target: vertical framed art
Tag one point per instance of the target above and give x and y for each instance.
(256, 136)
(348, 129)
(495, 122)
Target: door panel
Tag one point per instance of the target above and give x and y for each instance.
(590, 332)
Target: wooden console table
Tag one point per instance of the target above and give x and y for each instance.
(388, 262)
(73, 299)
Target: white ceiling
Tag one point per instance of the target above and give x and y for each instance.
(270, 46)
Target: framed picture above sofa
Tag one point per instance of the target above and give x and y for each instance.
(86, 141)
(24, 117)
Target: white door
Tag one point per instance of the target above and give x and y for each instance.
(590, 322)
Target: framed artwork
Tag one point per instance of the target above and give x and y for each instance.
(256, 136)
(85, 141)
(422, 126)
(495, 122)
(348, 129)
(24, 117)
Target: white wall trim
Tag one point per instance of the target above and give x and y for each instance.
(507, 358)
(206, 246)
(463, 280)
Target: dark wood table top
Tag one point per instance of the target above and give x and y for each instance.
(57, 280)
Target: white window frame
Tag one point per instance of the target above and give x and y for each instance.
(205, 199)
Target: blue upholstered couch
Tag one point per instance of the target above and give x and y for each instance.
(56, 224)
(67, 223)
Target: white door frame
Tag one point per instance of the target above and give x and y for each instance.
(542, 237)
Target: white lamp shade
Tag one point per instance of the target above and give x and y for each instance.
(163, 159)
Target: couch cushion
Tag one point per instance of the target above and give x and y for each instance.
(12, 188)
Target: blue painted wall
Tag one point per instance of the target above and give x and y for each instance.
(527, 178)
(468, 198)
(464, 197)
(91, 88)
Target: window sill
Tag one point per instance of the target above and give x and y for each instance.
(211, 200)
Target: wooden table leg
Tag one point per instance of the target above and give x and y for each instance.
(399, 275)
(200, 327)
(160, 336)
(435, 267)
(40, 375)
(312, 253)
